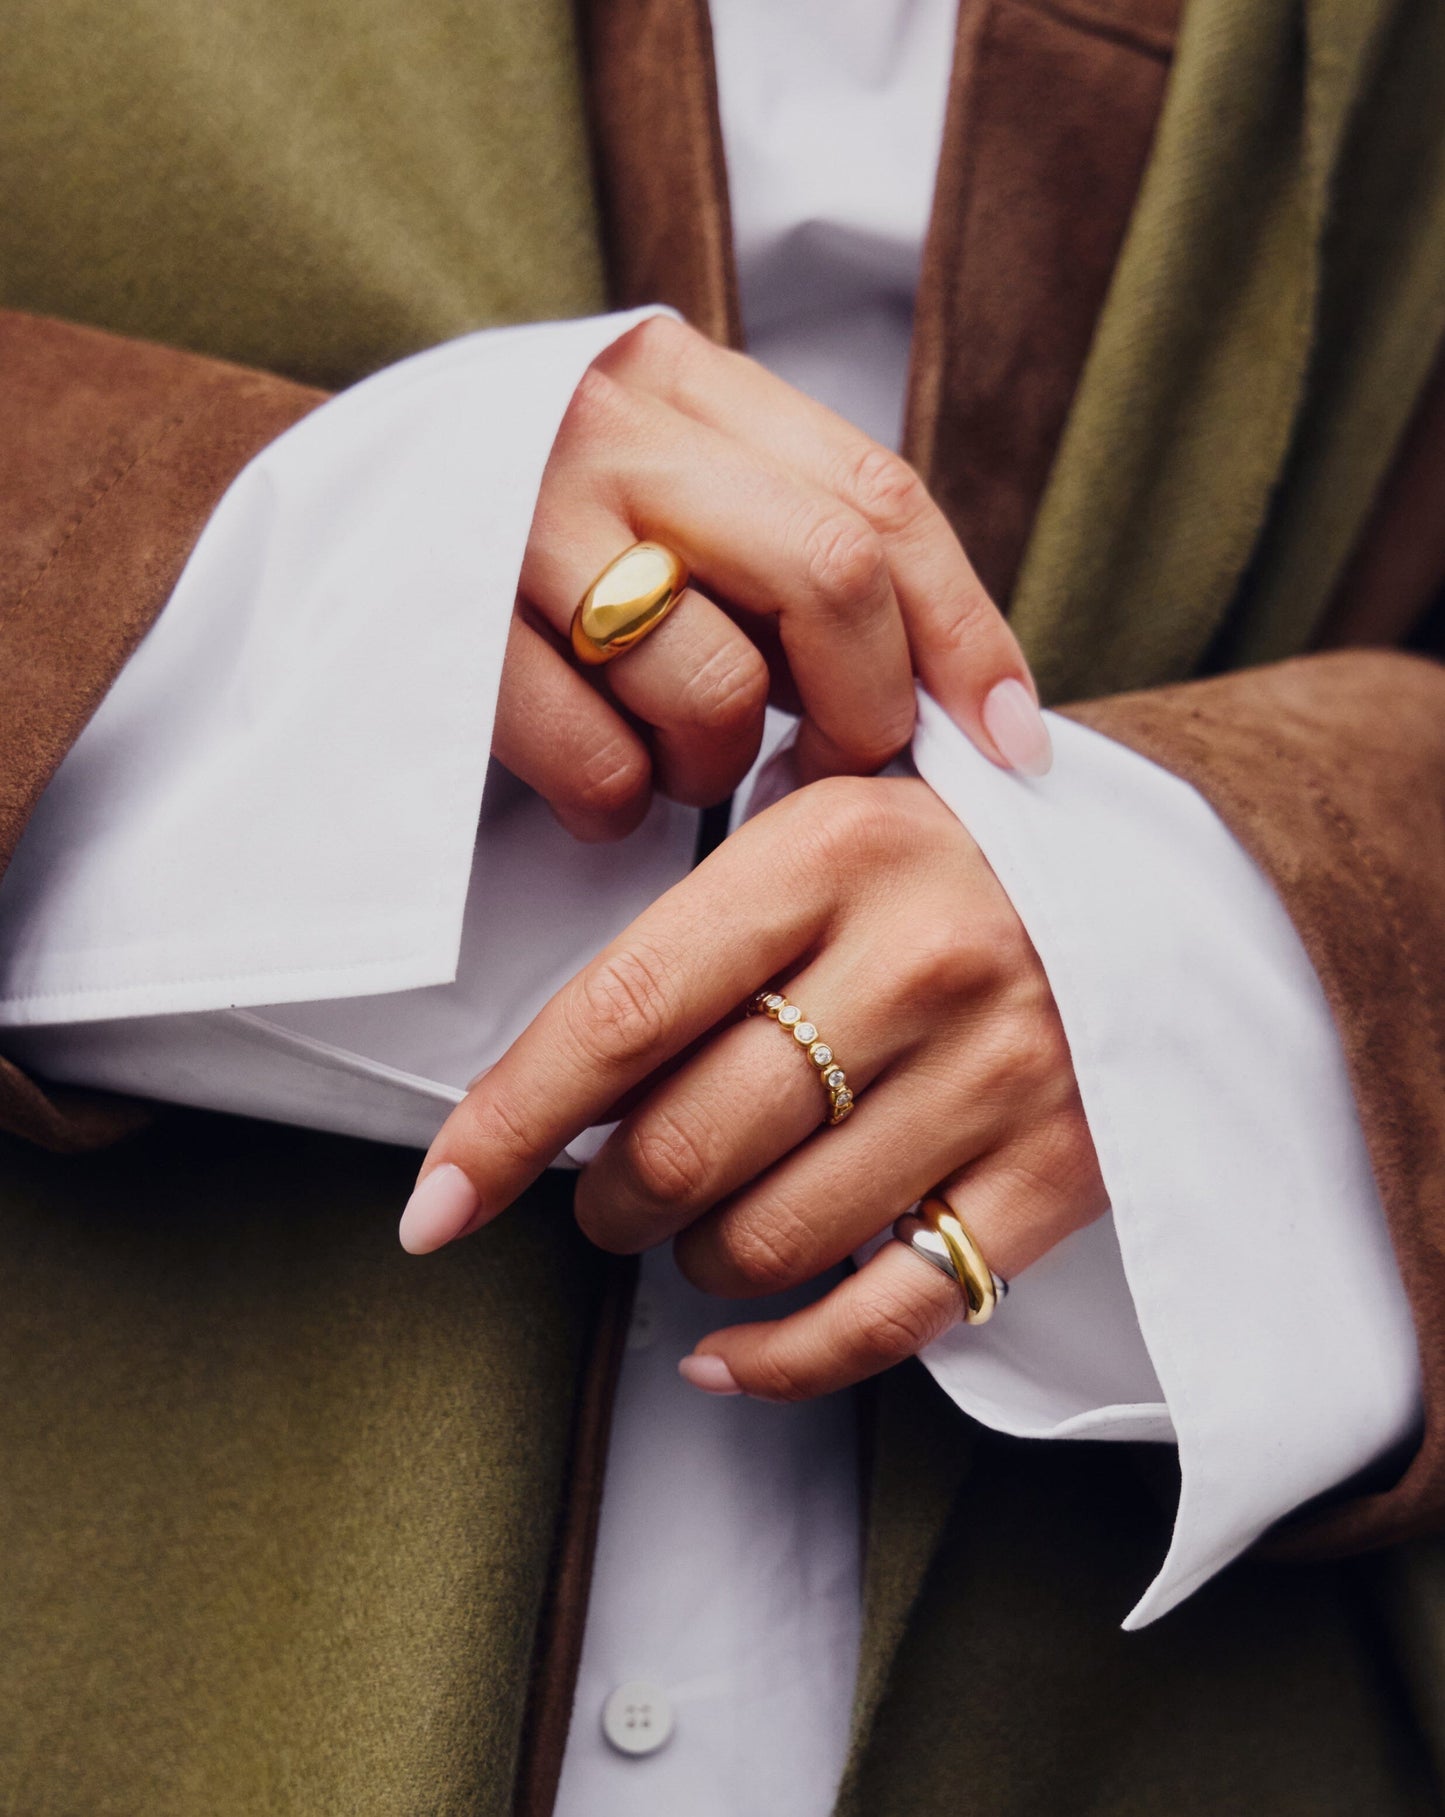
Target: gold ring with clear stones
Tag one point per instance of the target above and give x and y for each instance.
(789, 1016)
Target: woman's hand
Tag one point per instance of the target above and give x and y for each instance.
(868, 905)
(794, 524)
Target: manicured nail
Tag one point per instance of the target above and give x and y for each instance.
(1016, 726)
(710, 1373)
(440, 1208)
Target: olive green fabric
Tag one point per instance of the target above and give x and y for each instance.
(1277, 305)
(305, 186)
(278, 1500)
(1014, 1693)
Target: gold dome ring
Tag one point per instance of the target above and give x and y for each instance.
(628, 600)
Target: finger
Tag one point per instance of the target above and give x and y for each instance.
(697, 680)
(826, 1197)
(962, 648)
(563, 739)
(1020, 1201)
(888, 1311)
(769, 543)
(1016, 1203)
(748, 1097)
(1020, 1168)
(703, 684)
(681, 968)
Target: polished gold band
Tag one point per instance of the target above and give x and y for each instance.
(939, 1236)
(834, 1080)
(629, 598)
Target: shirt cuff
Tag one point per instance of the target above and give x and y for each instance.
(277, 802)
(1242, 1297)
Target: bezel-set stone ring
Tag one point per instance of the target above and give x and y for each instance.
(830, 1074)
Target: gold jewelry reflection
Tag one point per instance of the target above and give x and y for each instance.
(628, 600)
(830, 1075)
(940, 1237)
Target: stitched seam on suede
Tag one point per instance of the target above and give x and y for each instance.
(1371, 864)
(1374, 867)
(1129, 37)
(97, 497)
(930, 289)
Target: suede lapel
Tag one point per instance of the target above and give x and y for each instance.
(1217, 344)
(658, 154)
(1050, 117)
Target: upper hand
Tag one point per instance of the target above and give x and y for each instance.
(795, 525)
(867, 904)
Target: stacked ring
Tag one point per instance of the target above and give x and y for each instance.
(789, 1016)
(936, 1234)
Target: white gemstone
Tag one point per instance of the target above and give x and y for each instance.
(773, 1000)
(836, 1079)
(821, 1054)
(842, 1099)
(789, 1014)
(806, 1033)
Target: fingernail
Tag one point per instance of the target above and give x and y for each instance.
(1015, 724)
(441, 1207)
(710, 1373)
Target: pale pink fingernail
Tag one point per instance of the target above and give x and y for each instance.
(1015, 724)
(440, 1208)
(710, 1373)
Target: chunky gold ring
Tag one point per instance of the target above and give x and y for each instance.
(938, 1235)
(630, 597)
(834, 1079)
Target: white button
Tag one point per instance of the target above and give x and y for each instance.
(642, 1330)
(637, 1717)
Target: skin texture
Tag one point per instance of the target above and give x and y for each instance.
(866, 903)
(824, 576)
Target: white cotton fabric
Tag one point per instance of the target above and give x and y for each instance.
(1218, 1100)
(278, 803)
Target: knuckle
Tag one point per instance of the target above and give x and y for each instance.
(592, 1218)
(940, 961)
(498, 1126)
(845, 560)
(883, 1326)
(777, 1377)
(655, 347)
(765, 1258)
(663, 339)
(728, 693)
(888, 491)
(620, 1012)
(612, 779)
(597, 1218)
(1030, 1057)
(969, 615)
(667, 1157)
(599, 400)
(839, 821)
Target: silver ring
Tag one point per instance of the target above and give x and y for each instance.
(925, 1243)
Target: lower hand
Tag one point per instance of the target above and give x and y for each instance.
(806, 540)
(866, 903)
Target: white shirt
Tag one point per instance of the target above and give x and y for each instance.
(257, 883)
